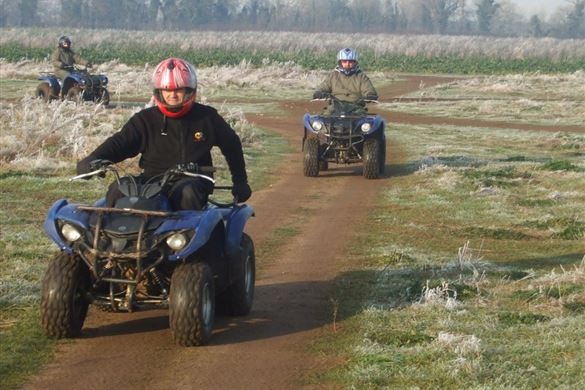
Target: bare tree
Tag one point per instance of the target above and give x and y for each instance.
(535, 27)
(507, 21)
(441, 11)
(486, 10)
(575, 23)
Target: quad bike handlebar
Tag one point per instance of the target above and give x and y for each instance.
(333, 98)
(99, 168)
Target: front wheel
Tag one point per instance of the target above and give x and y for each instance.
(311, 157)
(75, 94)
(371, 157)
(63, 300)
(382, 157)
(191, 304)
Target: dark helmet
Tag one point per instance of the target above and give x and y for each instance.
(65, 42)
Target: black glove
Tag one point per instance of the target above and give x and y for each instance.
(371, 96)
(89, 164)
(241, 192)
(319, 95)
(84, 166)
(89, 65)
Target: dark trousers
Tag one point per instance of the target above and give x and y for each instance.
(184, 194)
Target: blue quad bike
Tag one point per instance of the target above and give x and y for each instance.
(140, 254)
(346, 135)
(78, 86)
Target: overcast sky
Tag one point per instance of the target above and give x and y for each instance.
(537, 6)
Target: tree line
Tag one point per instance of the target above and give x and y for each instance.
(454, 17)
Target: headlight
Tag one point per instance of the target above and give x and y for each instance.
(70, 232)
(177, 241)
(366, 127)
(317, 125)
(103, 79)
(82, 82)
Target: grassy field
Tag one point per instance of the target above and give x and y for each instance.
(388, 52)
(470, 273)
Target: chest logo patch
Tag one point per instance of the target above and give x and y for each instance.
(198, 136)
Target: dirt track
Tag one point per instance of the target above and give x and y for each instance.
(267, 349)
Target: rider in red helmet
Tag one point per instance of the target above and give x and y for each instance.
(171, 76)
(177, 130)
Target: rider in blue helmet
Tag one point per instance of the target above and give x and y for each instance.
(347, 82)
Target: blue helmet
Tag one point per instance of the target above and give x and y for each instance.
(347, 54)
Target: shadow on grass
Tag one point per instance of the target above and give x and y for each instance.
(544, 263)
(282, 309)
(411, 167)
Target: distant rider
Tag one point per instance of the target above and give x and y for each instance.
(347, 82)
(177, 130)
(63, 58)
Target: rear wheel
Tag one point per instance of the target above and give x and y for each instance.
(191, 304)
(44, 92)
(382, 157)
(75, 94)
(371, 157)
(311, 157)
(63, 296)
(105, 97)
(323, 164)
(238, 299)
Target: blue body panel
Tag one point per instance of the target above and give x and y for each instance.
(376, 121)
(203, 222)
(62, 210)
(236, 219)
(53, 82)
(233, 220)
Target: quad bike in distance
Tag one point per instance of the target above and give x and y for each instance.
(345, 136)
(140, 254)
(79, 85)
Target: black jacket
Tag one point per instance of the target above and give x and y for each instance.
(164, 142)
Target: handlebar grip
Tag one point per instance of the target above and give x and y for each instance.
(206, 169)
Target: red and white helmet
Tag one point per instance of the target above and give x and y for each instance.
(174, 73)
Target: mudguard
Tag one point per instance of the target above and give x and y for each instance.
(53, 82)
(75, 76)
(64, 211)
(236, 221)
(203, 222)
(376, 123)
